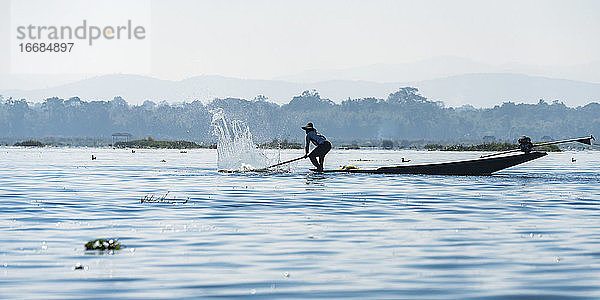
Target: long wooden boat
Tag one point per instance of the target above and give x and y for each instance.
(475, 167)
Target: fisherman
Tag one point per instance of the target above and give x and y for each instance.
(323, 146)
(525, 144)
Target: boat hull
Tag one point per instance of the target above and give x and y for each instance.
(476, 167)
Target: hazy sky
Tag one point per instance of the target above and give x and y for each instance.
(267, 39)
(263, 39)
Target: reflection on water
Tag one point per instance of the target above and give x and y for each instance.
(528, 231)
(315, 179)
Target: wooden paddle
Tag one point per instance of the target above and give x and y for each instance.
(265, 169)
(285, 162)
(584, 140)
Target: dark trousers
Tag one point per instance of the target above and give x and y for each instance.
(319, 153)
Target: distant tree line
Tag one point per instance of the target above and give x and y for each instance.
(150, 143)
(495, 147)
(404, 116)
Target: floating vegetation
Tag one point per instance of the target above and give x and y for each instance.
(79, 266)
(163, 199)
(103, 244)
(349, 167)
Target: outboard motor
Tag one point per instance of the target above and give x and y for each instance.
(525, 144)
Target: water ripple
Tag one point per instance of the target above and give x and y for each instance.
(529, 232)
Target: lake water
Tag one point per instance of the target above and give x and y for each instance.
(529, 231)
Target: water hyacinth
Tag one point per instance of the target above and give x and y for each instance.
(103, 244)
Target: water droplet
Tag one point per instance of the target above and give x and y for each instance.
(235, 146)
(252, 291)
(286, 274)
(531, 235)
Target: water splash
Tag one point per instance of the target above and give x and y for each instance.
(235, 147)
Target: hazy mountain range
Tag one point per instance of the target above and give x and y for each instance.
(445, 66)
(455, 81)
(479, 90)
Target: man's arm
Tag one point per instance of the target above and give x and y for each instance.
(307, 145)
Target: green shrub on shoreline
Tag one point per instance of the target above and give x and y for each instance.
(29, 143)
(548, 148)
(152, 144)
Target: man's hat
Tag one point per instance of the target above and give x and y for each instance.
(308, 126)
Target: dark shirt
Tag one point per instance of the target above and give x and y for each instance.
(314, 137)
